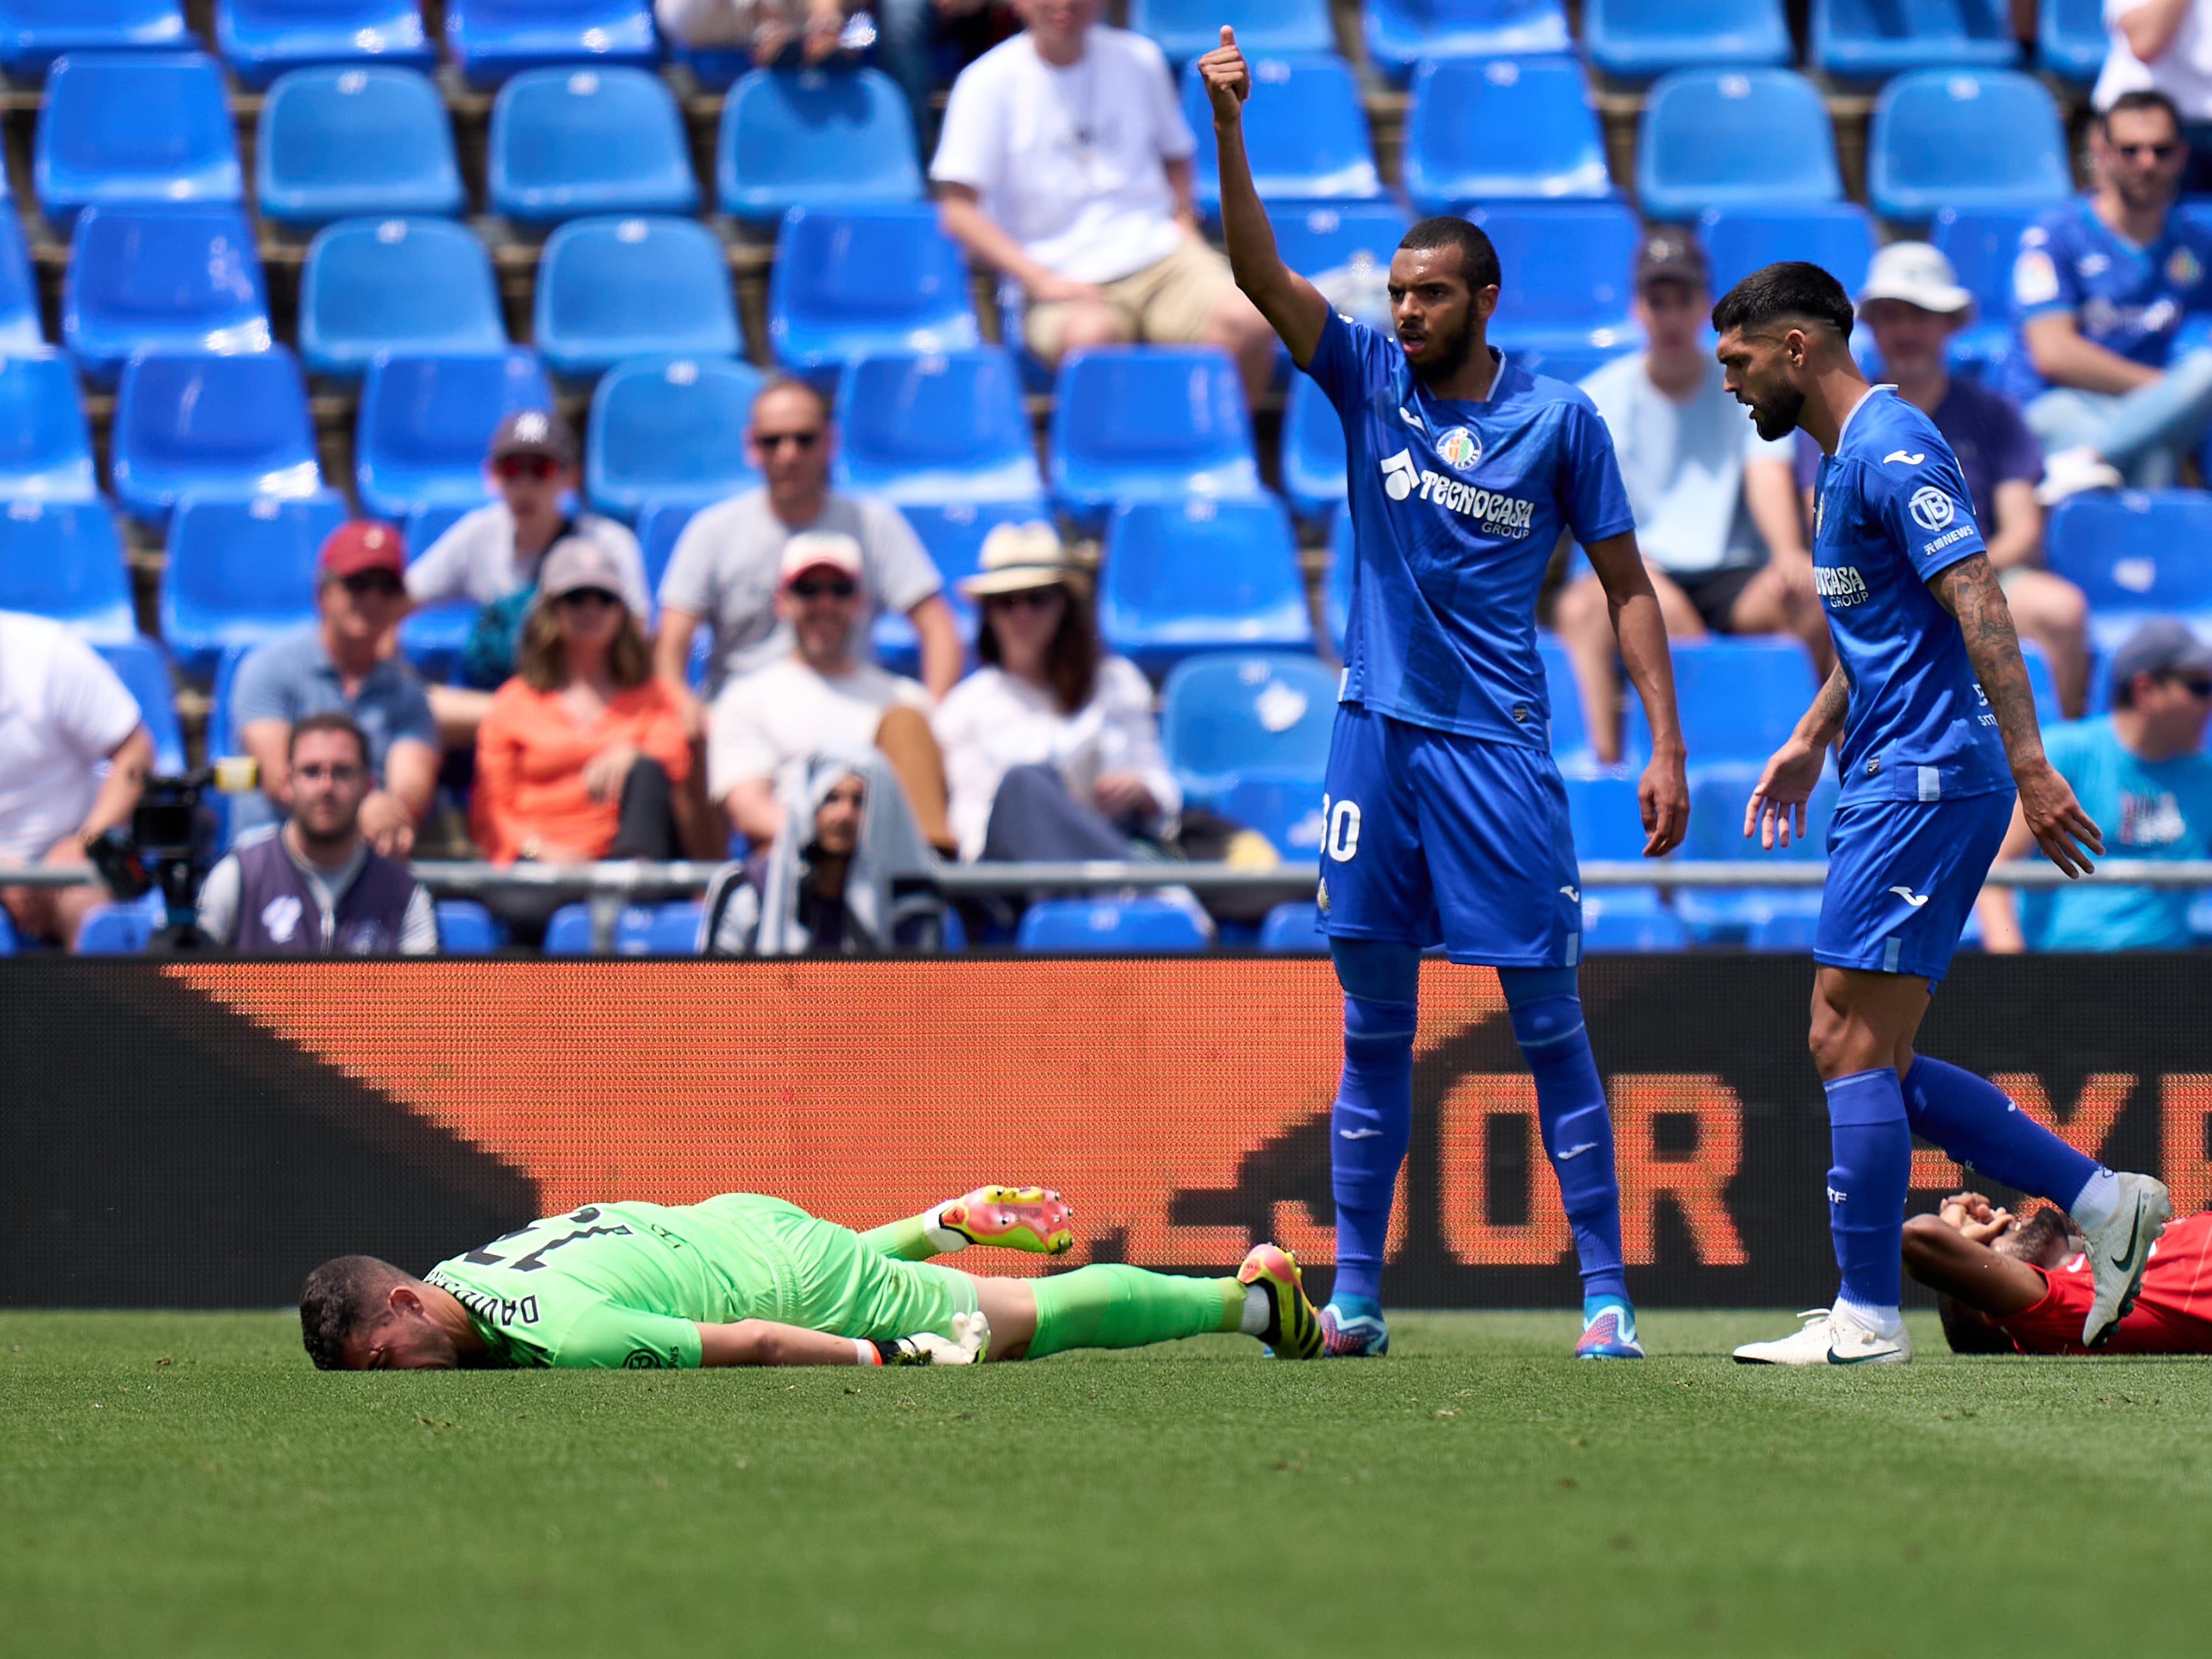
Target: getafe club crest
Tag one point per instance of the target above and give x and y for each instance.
(1459, 449)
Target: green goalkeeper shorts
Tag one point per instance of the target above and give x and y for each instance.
(822, 1277)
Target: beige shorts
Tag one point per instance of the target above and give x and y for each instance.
(1169, 302)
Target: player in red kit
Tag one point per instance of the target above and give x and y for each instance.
(2004, 1286)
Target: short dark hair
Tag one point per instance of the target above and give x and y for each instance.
(339, 1298)
(1478, 256)
(330, 720)
(2140, 98)
(1790, 289)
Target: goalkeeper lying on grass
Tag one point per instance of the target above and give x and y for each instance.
(743, 1280)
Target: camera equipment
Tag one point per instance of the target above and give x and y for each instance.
(160, 850)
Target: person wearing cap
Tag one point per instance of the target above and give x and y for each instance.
(492, 553)
(583, 754)
(723, 571)
(1911, 305)
(338, 663)
(819, 695)
(2110, 291)
(2142, 771)
(1716, 511)
(1050, 748)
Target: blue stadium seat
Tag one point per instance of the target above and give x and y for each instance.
(465, 928)
(658, 527)
(1305, 133)
(611, 289)
(21, 332)
(46, 445)
(848, 281)
(262, 40)
(1155, 424)
(569, 931)
(2042, 682)
(1565, 274)
(1265, 28)
(143, 668)
(213, 426)
(241, 572)
(1108, 926)
(1313, 456)
(339, 144)
(121, 929)
(1489, 129)
(568, 141)
(1603, 814)
(675, 929)
(1629, 921)
(1401, 32)
(952, 534)
(1635, 39)
(162, 279)
(1201, 575)
(1981, 247)
(492, 39)
(1872, 39)
(425, 423)
(1837, 236)
(379, 288)
(1336, 587)
(1968, 139)
(65, 559)
(134, 127)
(1739, 698)
(2135, 554)
(810, 139)
(9, 943)
(431, 636)
(669, 432)
(1718, 793)
(1317, 238)
(1570, 743)
(1247, 735)
(33, 33)
(1735, 138)
(2070, 41)
(1606, 821)
(1293, 929)
(940, 428)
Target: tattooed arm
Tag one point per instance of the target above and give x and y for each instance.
(1776, 810)
(1969, 590)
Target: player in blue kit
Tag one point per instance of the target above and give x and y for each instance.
(1445, 818)
(1937, 725)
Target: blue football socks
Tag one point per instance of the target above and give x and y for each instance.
(1369, 1128)
(1547, 1023)
(1972, 1120)
(1872, 1145)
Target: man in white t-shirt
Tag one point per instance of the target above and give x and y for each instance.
(2165, 45)
(1065, 163)
(819, 695)
(724, 570)
(63, 711)
(1715, 505)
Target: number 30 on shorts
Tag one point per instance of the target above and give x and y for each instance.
(1339, 829)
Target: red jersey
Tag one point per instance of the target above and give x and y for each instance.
(2172, 1312)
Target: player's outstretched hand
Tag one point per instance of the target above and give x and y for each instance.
(2066, 833)
(1662, 797)
(1228, 78)
(1776, 811)
(970, 1338)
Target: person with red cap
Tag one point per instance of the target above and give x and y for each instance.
(337, 663)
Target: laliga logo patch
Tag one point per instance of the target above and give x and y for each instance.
(1459, 449)
(1931, 507)
(2183, 268)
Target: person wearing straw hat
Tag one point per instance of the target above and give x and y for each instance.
(1050, 747)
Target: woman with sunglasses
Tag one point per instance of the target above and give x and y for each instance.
(1050, 748)
(582, 756)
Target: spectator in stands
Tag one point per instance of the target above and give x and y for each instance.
(312, 886)
(2141, 772)
(819, 697)
(1912, 304)
(339, 662)
(491, 555)
(582, 755)
(2165, 46)
(1716, 509)
(1065, 164)
(724, 570)
(63, 713)
(1050, 748)
(2103, 286)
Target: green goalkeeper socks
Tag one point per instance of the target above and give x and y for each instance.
(907, 1240)
(1111, 1306)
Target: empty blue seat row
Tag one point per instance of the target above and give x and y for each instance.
(371, 288)
(46, 442)
(143, 668)
(162, 279)
(133, 127)
(494, 39)
(65, 559)
(641, 930)
(1179, 577)
(33, 33)
(1091, 925)
(1265, 28)
(1247, 734)
(426, 422)
(261, 39)
(1872, 39)
(1305, 132)
(569, 142)
(189, 424)
(2134, 554)
(342, 142)
(855, 280)
(241, 571)
(1162, 424)
(669, 430)
(1403, 33)
(1488, 130)
(1635, 39)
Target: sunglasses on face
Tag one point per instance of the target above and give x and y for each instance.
(1026, 599)
(773, 442)
(588, 598)
(381, 583)
(511, 467)
(815, 590)
(2198, 686)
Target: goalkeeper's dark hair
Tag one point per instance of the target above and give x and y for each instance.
(339, 1298)
(1478, 257)
(1790, 291)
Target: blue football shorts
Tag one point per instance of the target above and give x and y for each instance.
(1903, 876)
(1432, 837)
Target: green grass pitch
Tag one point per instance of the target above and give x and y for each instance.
(179, 1484)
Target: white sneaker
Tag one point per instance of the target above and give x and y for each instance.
(2070, 471)
(2119, 1249)
(1830, 1338)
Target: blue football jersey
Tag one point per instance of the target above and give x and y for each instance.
(1455, 510)
(1890, 511)
(2126, 298)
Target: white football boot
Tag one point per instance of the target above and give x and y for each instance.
(1830, 1338)
(2119, 1249)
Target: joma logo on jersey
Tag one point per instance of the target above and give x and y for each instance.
(1840, 586)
